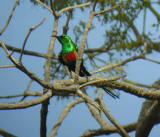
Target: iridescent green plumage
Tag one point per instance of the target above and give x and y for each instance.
(68, 57)
(67, 44)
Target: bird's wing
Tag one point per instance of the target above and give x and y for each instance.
(60, 58)
(76, 47)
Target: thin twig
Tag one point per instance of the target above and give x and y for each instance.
(151, 60)
(111, 66)
(27, 36)
(106, 10)
(10, 16)
(137, 84)
(35, 93)
(7, 66)
(94, 5)
(24, 69)
(53, 11)
(44, 5)
(27, 89)
(62, 116)
(73, 7)
(65, 27)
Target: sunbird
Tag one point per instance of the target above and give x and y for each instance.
(68, 56)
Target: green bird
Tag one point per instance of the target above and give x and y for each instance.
(68, 56)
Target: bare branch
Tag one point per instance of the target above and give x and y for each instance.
(113, 84)
(73, 7)
(87, 99)
(23, 69)
(140, 92)
(7, 66)
(6, 133)
(97, 115)
(28, 52)
(53, 11)
(44, 108)
(109, 130)
(25, 104)
(157, 15)
(27, 36)
(62, 116)
(94, 82)
(107, 10)
(151, 60)
(112, 119)
(149, 116)
(108, 67)
(27, 89)
(82, 45)
(94, 5)
(45, 6)
(137, 84)
(65, 27)
(10, 16)
(35, 93)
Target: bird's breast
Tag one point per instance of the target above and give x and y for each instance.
(69, 57)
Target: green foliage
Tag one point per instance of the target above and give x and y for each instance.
(122, 31)
(126, 28)
(60, 4)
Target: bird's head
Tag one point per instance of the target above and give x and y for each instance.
(64, 39)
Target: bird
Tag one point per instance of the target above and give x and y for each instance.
(68, 56)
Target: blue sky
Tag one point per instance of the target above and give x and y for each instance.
(25, 122)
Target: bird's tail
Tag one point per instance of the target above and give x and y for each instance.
(84, 72)
(111, 93)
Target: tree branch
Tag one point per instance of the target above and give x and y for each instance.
(35, 93)
(107, 10)
(27, 52)
(45, 6)
(5, 133)
(62, 116)
(10, 16)
(23, 69)
(65, 27)
(27, 36)
(112, 119)
(44, 108)
(73, 7)
(109, 130)
(7, 66)
(25, 104)
(111, 66)
(82, 45)
(149, 116)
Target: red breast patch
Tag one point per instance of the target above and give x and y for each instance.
(69, 57)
